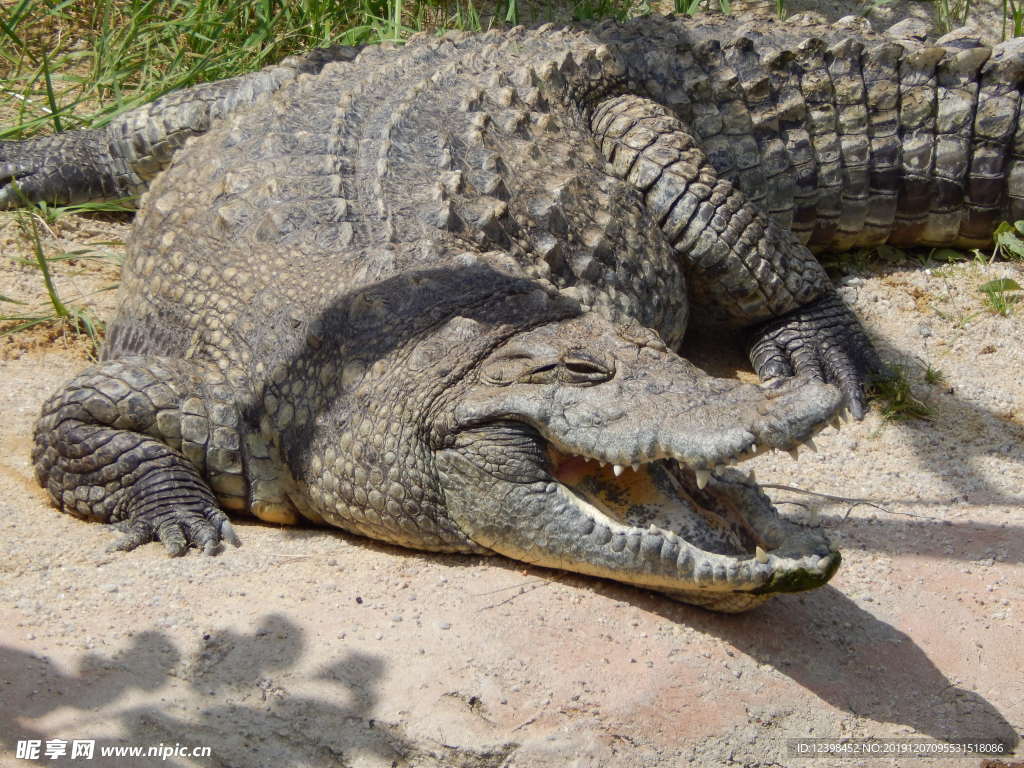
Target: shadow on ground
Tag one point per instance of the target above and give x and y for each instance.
(267, 725)
(847, 657)
(822, 641)
(862, 665)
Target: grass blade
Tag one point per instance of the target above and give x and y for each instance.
(41, 261)
(50, 97)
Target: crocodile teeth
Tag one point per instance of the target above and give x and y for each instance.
(760, 555)
(617, 469)
(703, 476)
(751, 477)
(636, 467)
(837, 423)
(809, 442)
(794, 453)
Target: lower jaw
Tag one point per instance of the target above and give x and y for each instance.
(729, 602)
(738, 602)
(543, 523)
(731, 580)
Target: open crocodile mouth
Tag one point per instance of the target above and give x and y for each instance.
(718, 527)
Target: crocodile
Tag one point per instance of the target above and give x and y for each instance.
(435, 295)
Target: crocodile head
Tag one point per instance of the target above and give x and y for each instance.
(588, 447)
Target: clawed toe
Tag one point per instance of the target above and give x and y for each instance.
(137, 532)
(823, 341)
(178, 530)
(222, 524)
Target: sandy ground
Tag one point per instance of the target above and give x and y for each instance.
(309, 647)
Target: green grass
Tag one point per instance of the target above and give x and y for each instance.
(78, 64)
(893, 395)
(1001, 295)
(1009, 241)
(950, 14)
(1013, 19)
(691, 7)
(67, 64)
(71, 316)
(933, 377)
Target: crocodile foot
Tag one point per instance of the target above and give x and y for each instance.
(822, 340)
(177, 528)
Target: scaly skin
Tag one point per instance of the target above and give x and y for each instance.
(431, 295)
(117, 162)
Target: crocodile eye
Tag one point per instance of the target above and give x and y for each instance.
(583, 367)
(579, 369)
(585, 370)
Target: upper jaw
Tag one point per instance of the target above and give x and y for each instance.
(731, 426)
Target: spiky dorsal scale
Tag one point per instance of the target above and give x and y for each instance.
(770, 178)
(823, 130)
(996, 123)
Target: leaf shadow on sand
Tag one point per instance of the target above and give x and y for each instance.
(268, 726)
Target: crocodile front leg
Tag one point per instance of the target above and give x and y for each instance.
(743, 265)
(73, 167)
(132, 442)
(119, 160)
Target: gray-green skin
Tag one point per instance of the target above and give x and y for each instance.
(399, 293)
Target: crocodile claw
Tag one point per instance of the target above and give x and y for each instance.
(178, 530)
(823, 341)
